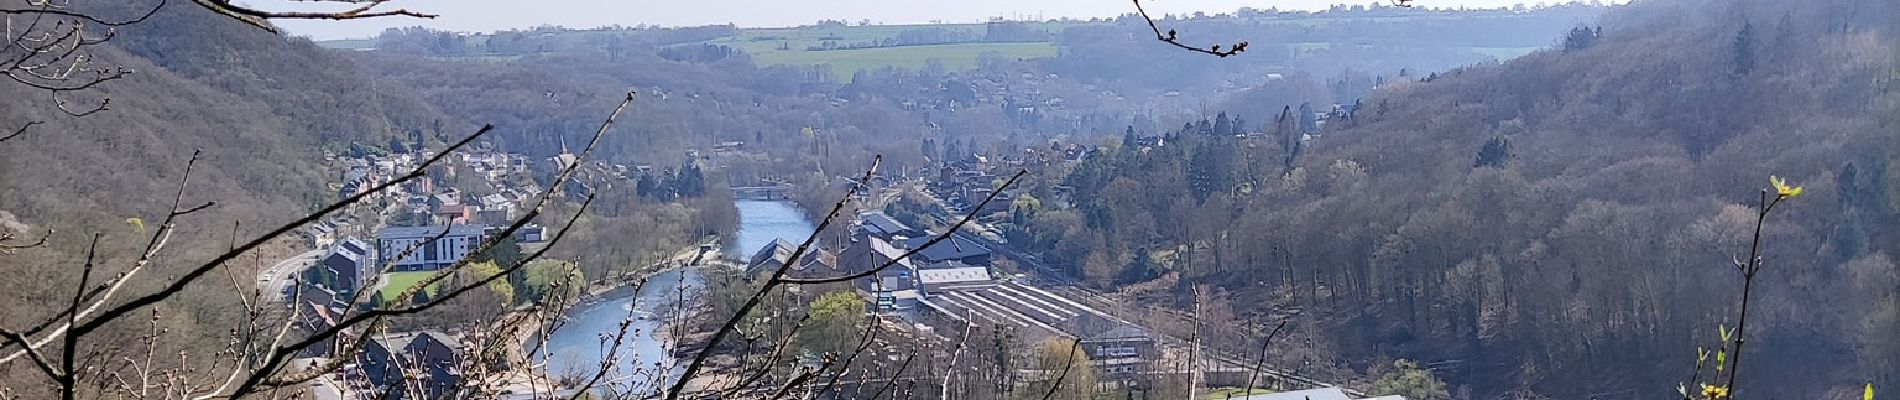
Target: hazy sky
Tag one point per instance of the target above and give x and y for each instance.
(492, 15)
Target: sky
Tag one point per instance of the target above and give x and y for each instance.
(493, 15)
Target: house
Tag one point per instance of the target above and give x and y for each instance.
(343, 268)
(446, 198)
(428, 360)
(531, 233)
(422, 184)
(955, 248)
(894, 287)
(771, 257)
(496, 214)
(322, 234)
(775, 255)
(318, 311)
(867, 252)
(818, 260)
(457, 213)
(426, 248)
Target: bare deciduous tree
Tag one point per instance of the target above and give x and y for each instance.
(47, 45)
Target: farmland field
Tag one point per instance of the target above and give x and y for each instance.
(803, 46)
(1505, 53)
(955, 57)
(787, 46)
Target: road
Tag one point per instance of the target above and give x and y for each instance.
(274, 279)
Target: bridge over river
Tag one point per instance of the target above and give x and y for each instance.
(778, 192)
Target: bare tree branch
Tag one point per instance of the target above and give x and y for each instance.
(892, 382)
(948, 232)
(1066, 365)
(1262, 361)
(1172, 38)
(699, 360)
(261, 18)
(21, 131)
(47, 10)
(944, 389)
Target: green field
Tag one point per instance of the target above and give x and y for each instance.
(1505, 53)
(395, 283)
(349, 44)
(955, 57)
(787, 46)
(1304, 47)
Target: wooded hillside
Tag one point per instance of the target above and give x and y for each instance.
(1562, 223)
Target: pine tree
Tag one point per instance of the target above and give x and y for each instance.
(1785, 35)
(646, 187)
(1201, 172)
(1222, 125)
(1290, 136)
(1495, 152)
(1745, 49)
(1309, 123)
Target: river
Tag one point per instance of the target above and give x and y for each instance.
(761, 222)
(578, 347)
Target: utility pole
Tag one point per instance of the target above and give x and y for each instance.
(1194, 349)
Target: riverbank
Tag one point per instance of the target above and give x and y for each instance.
(660, 330)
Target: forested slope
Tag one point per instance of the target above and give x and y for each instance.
(1587, 253)
(261, 107)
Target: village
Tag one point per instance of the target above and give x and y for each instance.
(945, 280)
(403, 235)
(411, 231)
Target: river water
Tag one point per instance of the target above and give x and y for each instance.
(760, 222)
(577, 348)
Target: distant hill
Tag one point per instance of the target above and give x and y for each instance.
(1476, 35)
(1559, 224)
(263, 109)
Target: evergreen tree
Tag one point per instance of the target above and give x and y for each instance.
(692, 182)
(396, 145)
(1581, 38)
(1210, 168)
(953, 151)
(1309, 123)
(1745, 49)
(505, 253)
(1785, 36)
(1222, 125)
(1289, 132)
(1495, 152)
(646, 187)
